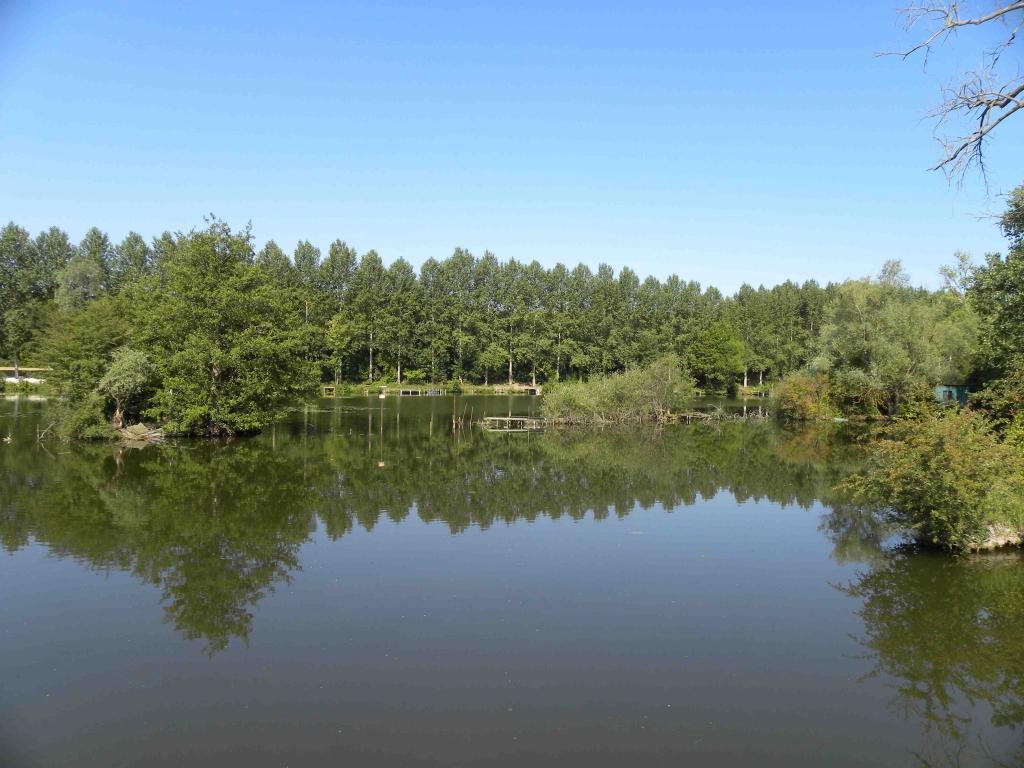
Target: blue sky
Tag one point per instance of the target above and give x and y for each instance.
(757, 144)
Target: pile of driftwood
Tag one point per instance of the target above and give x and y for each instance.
(140, 433)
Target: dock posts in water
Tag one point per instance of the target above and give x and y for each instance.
(513, 423)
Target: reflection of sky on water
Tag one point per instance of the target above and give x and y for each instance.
(688, 594)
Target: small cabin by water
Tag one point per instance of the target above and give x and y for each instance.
(948, 394)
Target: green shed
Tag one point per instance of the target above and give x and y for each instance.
(950, 393)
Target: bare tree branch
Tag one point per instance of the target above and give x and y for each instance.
(981, 98)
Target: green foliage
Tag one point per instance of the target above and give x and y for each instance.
(882, 339)
(461, 318)
(18, 324)
(131, 260)
(79, 346)
(1002, 400)
(718, 353)
(803, 397)
(1012, 220)
(996, 292)
(227, 344)
(946, 479)
(339, 340)
(473, 320)
(84, 417)
(129, 372)
(368, 306)
(27, 270)
(640, 394)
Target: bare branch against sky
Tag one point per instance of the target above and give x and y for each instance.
(978, 100)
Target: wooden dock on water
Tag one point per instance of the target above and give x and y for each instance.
(518, 389)
(513, 423)
(330, 391)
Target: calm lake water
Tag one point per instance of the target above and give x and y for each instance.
(364, 586)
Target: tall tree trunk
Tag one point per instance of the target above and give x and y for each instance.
(534, 379)
(460, 353)
(510, 367)
(371, 358)
(894, 403)
(399, 367)
(558, 358)
(760, 378)
(16, 374)
(744, 379)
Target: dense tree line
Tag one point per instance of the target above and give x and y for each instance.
(463, 318)
(206, 334)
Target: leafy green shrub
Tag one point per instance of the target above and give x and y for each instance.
(124, 380)
(945, 478)
(919, 402)
(641, 394)
(1002, 400)
(84, 417)
(414, 376)
(804, 397)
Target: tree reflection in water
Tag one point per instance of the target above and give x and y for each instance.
(217, 525)
(949, 633)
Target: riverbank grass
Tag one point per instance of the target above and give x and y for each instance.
(651, 393)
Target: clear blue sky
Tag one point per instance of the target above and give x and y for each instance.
(758, 144)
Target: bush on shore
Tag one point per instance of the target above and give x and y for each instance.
(640, 394)
(948, 479)
(812, 396)
(803, 397)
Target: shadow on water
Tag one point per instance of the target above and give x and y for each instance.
(215, 526)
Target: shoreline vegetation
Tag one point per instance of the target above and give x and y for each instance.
(663, 392)
(197, 334)
(651, 393)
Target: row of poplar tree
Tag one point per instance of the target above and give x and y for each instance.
(462, 318)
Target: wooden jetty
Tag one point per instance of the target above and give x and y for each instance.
(407, 391)
(513, 423)
(516, 389)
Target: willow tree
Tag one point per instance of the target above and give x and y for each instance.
(882, 338)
